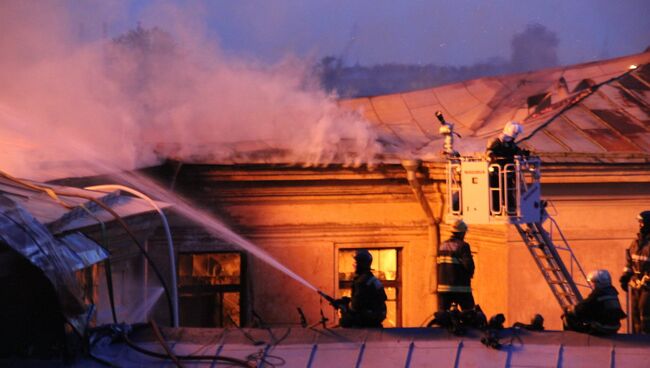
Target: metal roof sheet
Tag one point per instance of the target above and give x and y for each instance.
(47, 210)
(611, 118)
(389, 347)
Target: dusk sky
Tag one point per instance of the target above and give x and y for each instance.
(460, 32)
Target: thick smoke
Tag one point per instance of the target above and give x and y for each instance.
(534, 48)
(152, 93)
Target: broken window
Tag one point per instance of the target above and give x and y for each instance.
(386, 267)
(210, 289)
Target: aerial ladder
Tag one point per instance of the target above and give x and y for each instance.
(481, 192)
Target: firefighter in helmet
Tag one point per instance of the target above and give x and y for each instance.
(502, 151)
(600, 313)
(367, 306)
(455, 270)
(503, 148)
(636, 276)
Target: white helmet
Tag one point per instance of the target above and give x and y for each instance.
(599, 278)
(512, 129)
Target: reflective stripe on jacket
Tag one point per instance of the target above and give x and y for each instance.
(455, 266)
(638, 258)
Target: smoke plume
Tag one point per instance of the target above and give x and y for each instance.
(70, 98)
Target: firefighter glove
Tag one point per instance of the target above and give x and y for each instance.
(625, 280)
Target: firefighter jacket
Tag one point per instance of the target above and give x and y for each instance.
(455, 266)
(368, 304)
(637, 265)
(601, 310)
(503, 152)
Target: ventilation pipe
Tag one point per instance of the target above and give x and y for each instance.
(433, 223)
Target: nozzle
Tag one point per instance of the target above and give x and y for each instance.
(326, 297)
(440, 117)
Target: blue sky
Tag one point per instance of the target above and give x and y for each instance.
(459, 32)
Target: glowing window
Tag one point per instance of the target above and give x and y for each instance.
(209, 289)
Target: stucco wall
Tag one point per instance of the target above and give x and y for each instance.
(302, 223)
(301, 216)
(599, 222)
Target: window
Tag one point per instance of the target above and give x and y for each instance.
(386, 267)
(210, 289)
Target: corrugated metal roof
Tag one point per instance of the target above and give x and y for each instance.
(401, 347)
(577, 115)
(49, 212)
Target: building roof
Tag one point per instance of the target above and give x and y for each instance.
(389, 347)
(593, 112)
(40, 222)
(50, 211)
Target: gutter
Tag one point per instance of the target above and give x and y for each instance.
(412, 168)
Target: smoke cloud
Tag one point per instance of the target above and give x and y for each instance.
(70, 98)
(534, 48)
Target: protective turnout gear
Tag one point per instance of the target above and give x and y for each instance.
(455, 271)
(367, 307)
(600, 313)
(636, 276)
(459, 226)
(512, 129)
(503, 148)
(624, 280)
(599, 278)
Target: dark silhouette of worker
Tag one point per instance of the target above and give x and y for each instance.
(636, 276)
(503, 148)
(502, 151)
(367, 306)
(455, 270)
(600, 313)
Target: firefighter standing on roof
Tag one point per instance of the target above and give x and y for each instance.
(367, 306)
(636, 276)
(455, 270)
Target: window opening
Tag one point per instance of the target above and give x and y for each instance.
(210, 289)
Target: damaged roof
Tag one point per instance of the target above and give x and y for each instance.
(40, 222)
(49, 210)
(593, 112)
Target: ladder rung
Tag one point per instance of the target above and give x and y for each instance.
(551, 269)
(557, 282)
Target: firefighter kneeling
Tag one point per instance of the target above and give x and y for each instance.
(600, 313)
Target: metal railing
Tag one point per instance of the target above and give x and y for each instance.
(563, 245)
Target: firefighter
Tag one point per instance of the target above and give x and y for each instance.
(503, 148)
(636, 276)
(600, 313)
(455, 270)
(367, 306)
(502, 151)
